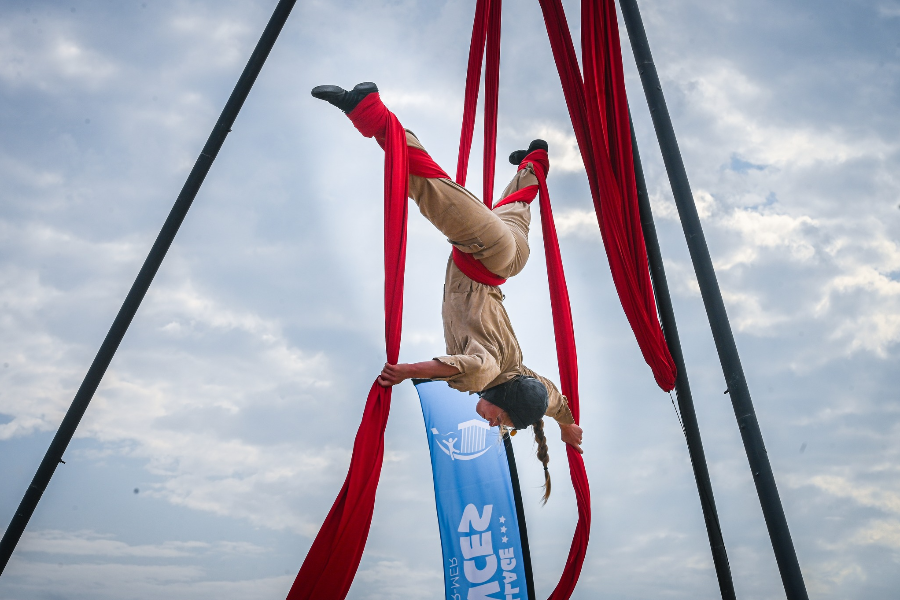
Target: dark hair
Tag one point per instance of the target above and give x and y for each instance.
(543, 456)
(523, 398)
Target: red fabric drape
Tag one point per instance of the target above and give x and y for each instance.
(334, 556)
(599, 112)
(491, 101)
(559, 296)
(473, 86)
(567, 358)
(485, 31)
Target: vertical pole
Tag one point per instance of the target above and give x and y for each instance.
(682, 386)
(520, 514)
(142, 283)
(780, 535)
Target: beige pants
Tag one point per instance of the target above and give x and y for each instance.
(499, 239)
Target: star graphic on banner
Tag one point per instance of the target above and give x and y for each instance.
(503, 530)
(504, 539)
(503, 519)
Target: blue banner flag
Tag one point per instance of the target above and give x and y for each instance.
(479, 507)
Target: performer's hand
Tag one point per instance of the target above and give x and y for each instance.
(571, 434)
(393, 374)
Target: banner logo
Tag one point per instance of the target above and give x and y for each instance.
(470, 441)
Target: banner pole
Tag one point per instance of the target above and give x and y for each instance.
(520, 511)
(682, 386)
(764, 478)
(141, 284)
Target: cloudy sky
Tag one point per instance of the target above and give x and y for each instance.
(221, 433)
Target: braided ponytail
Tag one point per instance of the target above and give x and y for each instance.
(543, 456)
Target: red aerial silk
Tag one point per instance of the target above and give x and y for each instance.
(485, 31)
(559, 296)
(334, 556)
(598, 109)
(567, 358)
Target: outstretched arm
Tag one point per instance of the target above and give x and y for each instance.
(394, 374)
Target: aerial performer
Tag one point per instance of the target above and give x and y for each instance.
(483, 355)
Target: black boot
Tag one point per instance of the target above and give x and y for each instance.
(344, 100)
(518, 156)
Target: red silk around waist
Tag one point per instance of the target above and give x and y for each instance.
(474, 269)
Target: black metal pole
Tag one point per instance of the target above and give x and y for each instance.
(682, 386)
(142, 283)
(520, 514)
(736, 383)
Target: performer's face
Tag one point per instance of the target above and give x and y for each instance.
(492, 413)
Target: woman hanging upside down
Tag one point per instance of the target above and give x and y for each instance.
(483, 354)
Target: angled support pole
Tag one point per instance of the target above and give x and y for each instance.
(780, 535)
(682, 386)
(142, 283)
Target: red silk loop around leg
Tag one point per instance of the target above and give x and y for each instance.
(526, 195)
(422, 165)
(370, 116)
(537, 158)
